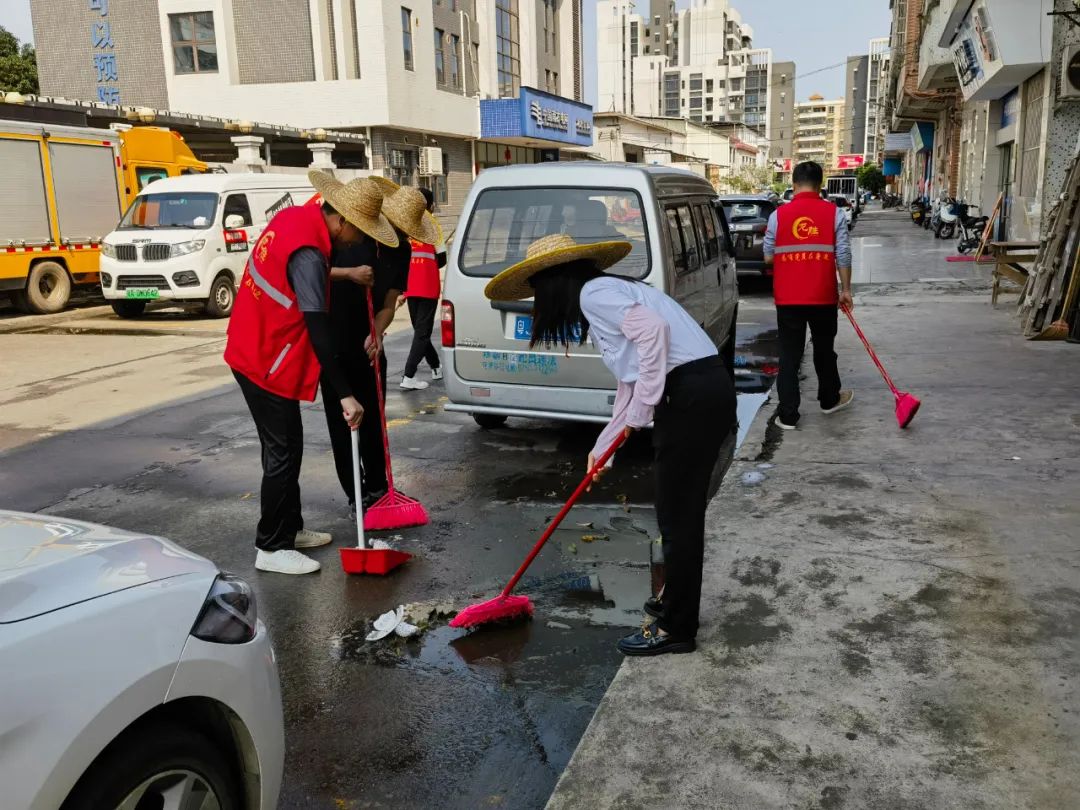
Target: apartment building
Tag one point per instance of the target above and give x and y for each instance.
(698, 63)
(819, 131)
(439, 88)
(867, 80)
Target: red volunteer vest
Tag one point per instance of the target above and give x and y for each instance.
(268, 341)
(423, 272)
(804, 262)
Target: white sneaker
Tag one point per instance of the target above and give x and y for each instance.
(286, 561)
(412, 384)
(846, 396)
(780, 423)
(305, 538)
(436, 373)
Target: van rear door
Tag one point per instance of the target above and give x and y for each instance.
(492, 338)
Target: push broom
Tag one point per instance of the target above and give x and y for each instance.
(393, 510)
(907, 405)
(364, 559)
(507, 607)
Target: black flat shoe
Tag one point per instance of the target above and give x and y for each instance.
(654, 607)
(649, 641)
(371, 498)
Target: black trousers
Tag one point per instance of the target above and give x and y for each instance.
(791, 322)
(422, 314)
(690, 423)
(281, 434)
(361, 377)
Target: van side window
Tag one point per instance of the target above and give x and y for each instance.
(677, 246)
(687, 258)
(237, 204)
(707, 228)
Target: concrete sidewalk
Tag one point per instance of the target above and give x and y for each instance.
(890, 618)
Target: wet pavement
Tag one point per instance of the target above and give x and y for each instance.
(448, 719)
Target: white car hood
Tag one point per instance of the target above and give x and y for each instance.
(47, 563)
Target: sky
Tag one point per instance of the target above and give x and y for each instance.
(812, 33)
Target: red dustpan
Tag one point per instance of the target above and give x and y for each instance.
(364, 559)
(393, 510)
(907, 405)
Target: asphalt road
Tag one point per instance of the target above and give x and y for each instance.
(449, 720)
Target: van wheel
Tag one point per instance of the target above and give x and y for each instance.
(156, 767)
(48, 289)
(128, 309)
(489, 421)
(222, 297)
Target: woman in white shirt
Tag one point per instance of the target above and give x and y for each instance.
(669, 374)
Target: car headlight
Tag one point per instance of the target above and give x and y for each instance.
(108, 250)
(184, 248)
(228, 615)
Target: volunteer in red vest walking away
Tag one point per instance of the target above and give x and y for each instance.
(808, 245)
(279, 337)
(422, 296)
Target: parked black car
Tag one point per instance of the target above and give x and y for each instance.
(747, 217)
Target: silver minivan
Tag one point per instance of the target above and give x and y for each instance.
(680, 244)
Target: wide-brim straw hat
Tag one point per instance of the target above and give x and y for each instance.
(360, 201)
(512, 284)
(402, 211)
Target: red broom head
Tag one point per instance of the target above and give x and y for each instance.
(499, 609)
(394, 511)
(907, 406)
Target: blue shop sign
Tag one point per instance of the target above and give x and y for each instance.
(539, 116)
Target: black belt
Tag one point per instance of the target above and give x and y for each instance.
(701, 364)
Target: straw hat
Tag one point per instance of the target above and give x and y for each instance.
(512, 284)
(402, 211)
(359, 201)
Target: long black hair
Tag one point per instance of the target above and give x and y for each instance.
(557, 316)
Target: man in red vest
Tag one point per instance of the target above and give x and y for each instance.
(279, 339)
(808, 245)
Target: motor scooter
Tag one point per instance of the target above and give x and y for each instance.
(918, 211)
(947, 219)
(932, 222)
(970, 228)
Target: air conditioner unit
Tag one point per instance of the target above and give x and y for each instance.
(430, 161)
(1070, 72)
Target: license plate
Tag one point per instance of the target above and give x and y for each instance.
(143, 293)
(522, 327)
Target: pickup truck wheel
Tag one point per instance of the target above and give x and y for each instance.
(48, 288)
(222, 297)
(128, 309)
(489, 421)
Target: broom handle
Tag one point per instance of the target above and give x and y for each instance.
(870, 349)
(358, 494)
(600, 462)
(379, 389)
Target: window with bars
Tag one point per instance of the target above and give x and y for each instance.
(507, 33)
(194, 45)
(406, 37)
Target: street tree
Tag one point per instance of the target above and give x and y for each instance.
(18, 65)
(870, 178)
